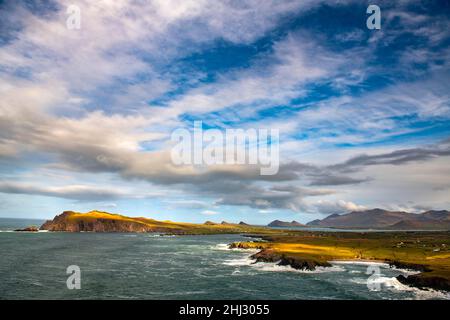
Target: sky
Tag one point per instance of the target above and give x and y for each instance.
(86, 115)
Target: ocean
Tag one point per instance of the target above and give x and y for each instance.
(149, 266)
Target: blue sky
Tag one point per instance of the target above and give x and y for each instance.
(86, 114)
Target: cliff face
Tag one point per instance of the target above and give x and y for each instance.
(97, 221)
(69, 221)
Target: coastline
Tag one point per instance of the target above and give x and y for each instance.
(424, 252)
(310, 254)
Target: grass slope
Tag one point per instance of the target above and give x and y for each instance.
(71, 217)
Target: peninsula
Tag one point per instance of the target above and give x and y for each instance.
(425, 251)
(99, 221)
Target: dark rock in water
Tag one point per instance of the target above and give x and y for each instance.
(298, 263)
(302, 264)
(424, 281)
(28, 229)
(266, 255)
(410, 266)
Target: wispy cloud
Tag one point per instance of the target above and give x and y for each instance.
(74, 192)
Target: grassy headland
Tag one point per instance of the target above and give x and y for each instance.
(98, 221)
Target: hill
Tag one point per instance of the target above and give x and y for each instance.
(278, 223)
(98, 221)
(383, 219)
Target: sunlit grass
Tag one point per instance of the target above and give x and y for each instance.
(430, 249)
(170, 226)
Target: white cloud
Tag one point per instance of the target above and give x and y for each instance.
(76, 192)
(209, 212)
(339, 206)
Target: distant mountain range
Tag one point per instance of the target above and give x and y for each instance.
(278, 223)
(390, 220)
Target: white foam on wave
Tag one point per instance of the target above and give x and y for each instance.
(358, 280)
(393, 284)
(405, 271)
(225, 247)
(159, 235)
(360, 263)
(243, 261)
(374, 263)
(275, 267)
(220, 246)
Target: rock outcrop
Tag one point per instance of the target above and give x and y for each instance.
(424, 281)
(28, 229)
(299, 263)
(281, 259)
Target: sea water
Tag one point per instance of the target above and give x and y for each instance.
(149, 266)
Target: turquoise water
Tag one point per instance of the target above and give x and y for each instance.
(146, 266)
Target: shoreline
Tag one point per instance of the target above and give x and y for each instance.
(310, 254)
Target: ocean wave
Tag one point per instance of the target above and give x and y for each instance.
(405, 271)
(360, 263)
(225, 247)
(375, 263)
(24, 232)
(245, 261)
(275, 267)
(393, 284)
(158, 235)
(220, 246)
